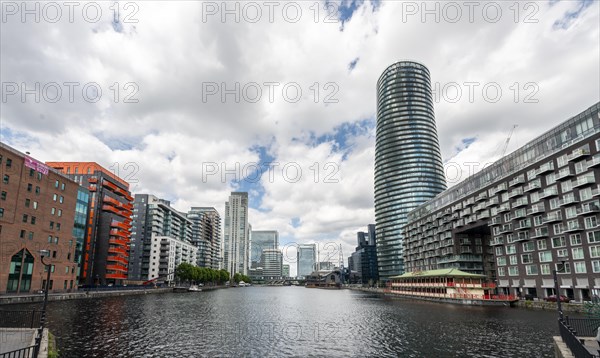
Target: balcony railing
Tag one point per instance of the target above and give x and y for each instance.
(548, 192)
(578, 153)
(585, 180)
(532, 186)
(517, 181)
(564, 173)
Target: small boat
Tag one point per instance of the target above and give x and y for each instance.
(194, 288)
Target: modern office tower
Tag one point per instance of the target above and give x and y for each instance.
(285, 270)
(206, 235)
(236, 242)
(306, 257)
(37, 212)
(364, 259)
(81, 216)
(271, 261)
(259, 241)
(522, 217)
(162, 237)
(106, 248)
(408, 164)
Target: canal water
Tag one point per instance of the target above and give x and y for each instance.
(294, 321)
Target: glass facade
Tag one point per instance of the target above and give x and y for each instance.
(306, 259)
(408, 164)
(81, 210)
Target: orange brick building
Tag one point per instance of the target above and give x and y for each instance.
(108, 231)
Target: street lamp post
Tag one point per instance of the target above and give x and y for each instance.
(44, 253)
(557, 292)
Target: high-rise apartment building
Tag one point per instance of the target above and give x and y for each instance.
(306, 257)
(259, 241)
(106, 247)
(236, 241)
(408, 164)
(161, 239)
(534, 211)
(39, 209)
(206, 235)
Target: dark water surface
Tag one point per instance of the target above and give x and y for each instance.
(293, 321)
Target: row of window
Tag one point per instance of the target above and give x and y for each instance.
(544, 269)
(546, 256)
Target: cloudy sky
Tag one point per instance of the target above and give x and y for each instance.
(191, 100)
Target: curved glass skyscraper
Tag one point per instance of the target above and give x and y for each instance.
(408, 164)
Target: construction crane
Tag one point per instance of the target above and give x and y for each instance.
(508, 140)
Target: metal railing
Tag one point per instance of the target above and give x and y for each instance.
(569, 337)
(20, 319)
(585, 327)
(27, 352)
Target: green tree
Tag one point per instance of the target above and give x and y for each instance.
(184, 272)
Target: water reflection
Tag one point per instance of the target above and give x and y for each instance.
(294, 321)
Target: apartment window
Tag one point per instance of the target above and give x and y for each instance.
(531, 269)
(571, 212)
(594, 251)
(58, 226)
(537, 220)
(554, 203)
(3, 195)
(37, 190)
(39, 176)
(504, 197)
(8, 162)
(511, 249)
(562, 253)
(577, 253)
(526, 258)
(545, 256)
(31, 172)
(585, 194)
(591, 222)
(595, 266)
(51, 225)
(62, 186)
(545, 269)
(49, 239)
(562, 160)
(558, 228)
(33, 220)
(22, 235)
(559, 242)
(507, 217)
(528, 246)
(35, 205)
(550, 179)
(513, 259)
(580, 267)
(53, 211)
(566, 186)
(535, 197)
(25, 218)
(593, 237)
(60, 211)
(53, 254)
(501, 261)
(66, 271)
(580, 167)
(1, 212)
(29, 187)
(56, 240)
(575, 239)
(61, 199)
(6, 179)
(542, 245)
(54, 197)
(499, 250)
(502, 271)
(513, 271)
(56, 183)
(31, 235)
(531, 174)
(563, 269)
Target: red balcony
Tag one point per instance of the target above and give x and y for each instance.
(120, 233)
(117, 267)
(123, 225)
(116, 211)
(93, 180)
(117, 250)
(117, 241)
(120, 259)
(116, 276)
